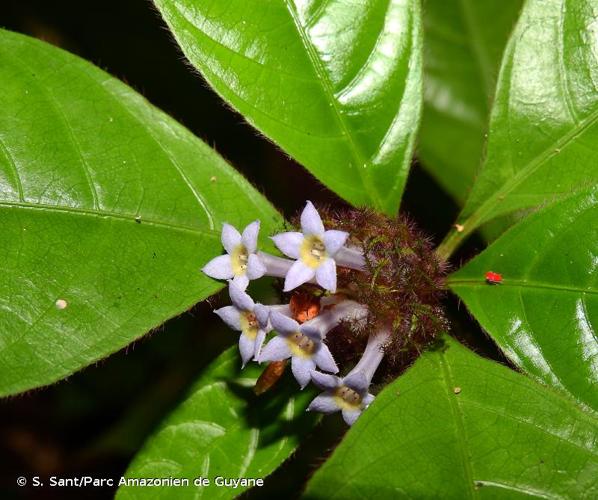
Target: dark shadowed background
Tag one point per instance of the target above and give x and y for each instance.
(95, 421)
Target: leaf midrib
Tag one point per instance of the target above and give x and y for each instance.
(205, 69)
(478, 216)
(460, 428)
(326, 86)
(86, 212)
(514, 283)
(530, 167)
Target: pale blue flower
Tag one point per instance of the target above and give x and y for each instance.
(314, 248)
(302, 343)
(249, 318)
(349, 395)
(241, 262)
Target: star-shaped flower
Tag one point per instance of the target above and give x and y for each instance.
(249, 318)
(349, 395)
(302, 343)
(314, 250)
(240, 262)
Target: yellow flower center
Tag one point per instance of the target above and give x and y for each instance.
(313, 251)
(301, 345)
(347, 398)
(249, 324)
(239, 259)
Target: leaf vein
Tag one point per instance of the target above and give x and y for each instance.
(58, 108)
(83, 212)
(12, 164)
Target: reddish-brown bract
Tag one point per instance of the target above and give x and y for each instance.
(270, 376)
(304, 306)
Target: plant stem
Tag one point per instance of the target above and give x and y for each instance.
(454, 238)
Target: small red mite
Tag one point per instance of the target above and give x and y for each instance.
(493, 278)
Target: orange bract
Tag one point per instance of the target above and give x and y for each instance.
(304, 307)
(270, 376)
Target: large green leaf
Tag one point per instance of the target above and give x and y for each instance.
(337, 84)
(544, 314)
(464, 42)
(106, 204)
(459, 426)
(222, 429)
(543, 127)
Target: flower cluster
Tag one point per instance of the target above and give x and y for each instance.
(359, 282)
(315, 253)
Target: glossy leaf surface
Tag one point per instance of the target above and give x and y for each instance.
(459, 426)
(464, 43)
(545, 313)
(543, 126)
(108, 209)
(336, 84)
(223, 429)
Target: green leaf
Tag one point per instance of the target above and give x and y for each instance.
(106, 204)
(336, 84)
(544, 314)
(223, 429)
(464, 43)
(543, 127)
(459, 426)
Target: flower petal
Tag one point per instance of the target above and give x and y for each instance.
(242, 281)
(325, 380)
(358, 382)
(312, 332)
(275, 350)
(249, 237)
(324, 403)
(323, 358)
(334, 241)
(262, 313)
(219, 268)
(311, 223)
(349, 416)
(231, 316)
(239, 298)
(231, 238)
(326, 275)
(298, 274)
(246, 348)
(283, 324)
(255, 267)
(368, 400)
(289, 243)
(258, 342)
(302, 369)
